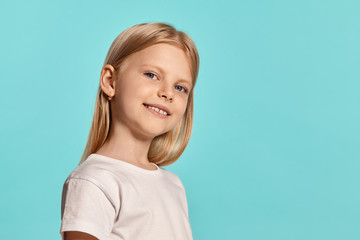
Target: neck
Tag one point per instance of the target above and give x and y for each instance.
(127, 146)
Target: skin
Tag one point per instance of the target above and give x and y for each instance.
(159, 74)
(74, 235)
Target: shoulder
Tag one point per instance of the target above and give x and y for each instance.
(172, 177)
(97, 172)
(92, 169)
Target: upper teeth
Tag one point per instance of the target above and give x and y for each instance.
(158, 110)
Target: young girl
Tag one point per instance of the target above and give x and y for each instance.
(142, 120)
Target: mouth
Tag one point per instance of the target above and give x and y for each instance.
(158, 109)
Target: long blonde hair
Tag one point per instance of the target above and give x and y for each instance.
(165, 149)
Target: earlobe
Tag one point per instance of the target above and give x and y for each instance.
(107, 80)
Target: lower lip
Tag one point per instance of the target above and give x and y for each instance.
(156, 113)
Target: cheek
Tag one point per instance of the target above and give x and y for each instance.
(145, 91)
(137, 94)
(182, 108)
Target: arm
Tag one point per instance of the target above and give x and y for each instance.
(86, 212)
(73, 235)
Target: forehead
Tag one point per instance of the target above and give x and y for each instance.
(170, 58)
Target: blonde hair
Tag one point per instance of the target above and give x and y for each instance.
(165, 149)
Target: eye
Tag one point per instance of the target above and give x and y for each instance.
(151, 75)
(180, 88)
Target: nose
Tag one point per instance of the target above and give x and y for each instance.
(166, 92)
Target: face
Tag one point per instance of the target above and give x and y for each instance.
(151, 90)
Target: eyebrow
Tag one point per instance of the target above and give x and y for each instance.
(162, 71)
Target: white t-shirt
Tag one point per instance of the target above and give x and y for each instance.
(112, 199)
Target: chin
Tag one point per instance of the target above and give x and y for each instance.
(146, 134)
(160, 132)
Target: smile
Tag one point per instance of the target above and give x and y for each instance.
(157, 110)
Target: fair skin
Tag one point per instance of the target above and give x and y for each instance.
(157, 76)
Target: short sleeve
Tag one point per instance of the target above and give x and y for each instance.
(86, 208)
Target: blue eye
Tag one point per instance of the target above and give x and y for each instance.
(150, 75)
(180, 88)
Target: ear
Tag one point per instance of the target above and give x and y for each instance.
(107, 80)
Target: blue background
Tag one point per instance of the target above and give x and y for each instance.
(275, 147)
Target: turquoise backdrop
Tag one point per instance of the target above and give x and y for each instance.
(275, 150)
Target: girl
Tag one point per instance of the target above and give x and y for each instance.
(142, 121)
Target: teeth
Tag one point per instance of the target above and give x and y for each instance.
(158, 110)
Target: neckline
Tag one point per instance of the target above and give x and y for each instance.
(128, 165)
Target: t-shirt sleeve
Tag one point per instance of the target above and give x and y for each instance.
(86, 208)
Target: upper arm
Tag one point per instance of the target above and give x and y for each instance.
(86, 211)
(74, 235)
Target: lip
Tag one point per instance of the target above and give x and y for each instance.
(159, 107)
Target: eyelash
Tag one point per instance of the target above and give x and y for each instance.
(184, 89)
(147, 74)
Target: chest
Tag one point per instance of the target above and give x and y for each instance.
(150, 196)
(151, 207)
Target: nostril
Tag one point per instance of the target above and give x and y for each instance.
(164, 96)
